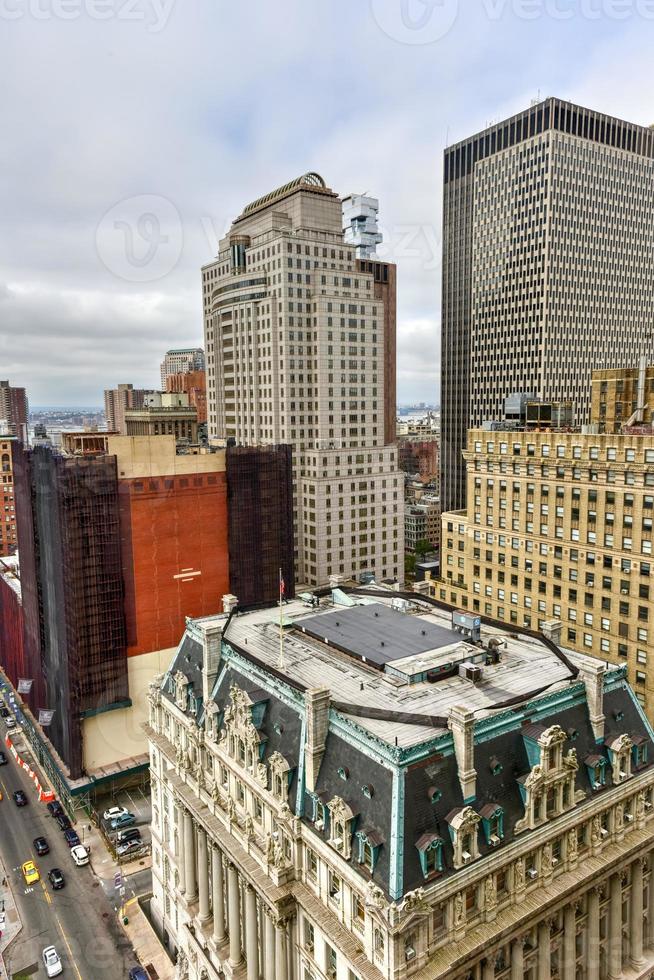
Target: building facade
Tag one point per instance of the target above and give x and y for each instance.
(545, 249)
(8, 535)
(302, 828)
(419, 456)
(194, 384)
(181, 361)
(360, 224)
(119, 400)
(559, 528)
(623, 399)
(171, 414)
(14, 411)
(422, 522)
(299, 353)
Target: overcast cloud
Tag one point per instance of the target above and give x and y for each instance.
(133, 131)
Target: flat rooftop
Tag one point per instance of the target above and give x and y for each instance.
(339, 647)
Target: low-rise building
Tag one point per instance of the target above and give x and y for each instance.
(393, 789)
(422, 522)
(623, 398)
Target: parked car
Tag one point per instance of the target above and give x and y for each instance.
(129, 847)
(137, 973)
(127, 835)
(3, 759)
(10, 722)
(55, 808)
(63, 821)
(51, 962)
(19, 798)
(56, 879)
(5, 712)
(124, 820)
(41, 846)
(71, 837)
(79, 855)
(30, 873)
(114, 811)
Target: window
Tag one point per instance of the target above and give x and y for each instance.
(331, 962)
(334, 888)
(358, 913)
(312, 865)
(430, 851)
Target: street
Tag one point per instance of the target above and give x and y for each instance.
(78, 920)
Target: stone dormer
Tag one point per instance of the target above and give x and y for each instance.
(463, 825)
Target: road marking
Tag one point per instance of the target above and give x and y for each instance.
(70, 952)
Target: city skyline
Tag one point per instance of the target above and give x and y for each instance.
(64, 290)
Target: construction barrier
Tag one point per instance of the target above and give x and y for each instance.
(45, 795)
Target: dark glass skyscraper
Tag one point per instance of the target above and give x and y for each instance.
(548, 260)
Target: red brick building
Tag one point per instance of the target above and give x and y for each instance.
(194, 383)
(8, 537)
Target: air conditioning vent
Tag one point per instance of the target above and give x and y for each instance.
(604, 832)
(409, 953)
(494, 839)
(533, 873)
(466, 857)
(319, 825)
(471, 672)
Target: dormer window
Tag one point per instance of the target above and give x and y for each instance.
(619, 748)
(492, 817)
(596, 769)
(549, 788)
(434, 794)
(281, 776)
(463, 824)
(430, 852)
(370, 844)
(341, 822)
(495, 766)
(639, 752)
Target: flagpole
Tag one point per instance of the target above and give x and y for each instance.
(281, 627)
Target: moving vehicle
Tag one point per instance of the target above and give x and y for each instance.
(19, 798)
(79, 855)
(10, 722)
(124, 820)
(55, 808)
(137, 973)
(114, 811)
(51, 962)
(56, 879)
(41, 846)
(127, 835)
(3, 759)
(30, 873)
(63, 821)
(71, 837)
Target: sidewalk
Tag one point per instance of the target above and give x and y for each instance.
(146, 942)
(10, 924)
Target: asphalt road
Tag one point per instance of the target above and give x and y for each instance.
(79, 920)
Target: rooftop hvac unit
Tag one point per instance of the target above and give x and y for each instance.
(471, 672)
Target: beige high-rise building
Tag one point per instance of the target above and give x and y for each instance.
(300, 349)
(557, 536)
(547, 261)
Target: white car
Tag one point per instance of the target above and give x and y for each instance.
(51, 962)
(114, 811)
(79, 855)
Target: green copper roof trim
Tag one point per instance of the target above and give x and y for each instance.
(290, 697)
(396, 878)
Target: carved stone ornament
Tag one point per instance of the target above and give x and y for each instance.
(238, 715)
(490, 893)
(535, 777)
(570, 760)
(554, 735)
(414, 902)
(459, 910)
(181, 972)
(519, 873)
(248, 826)
(619, 816)
(595, 830)
(181, 683)
(375, 897)
(231, 809)
(640, 805)
(546, 860)
(572, 845)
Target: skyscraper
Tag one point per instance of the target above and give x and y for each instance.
(13, 411)
(299, 351)
(547, 254)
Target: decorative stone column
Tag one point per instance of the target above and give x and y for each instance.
(235, 956)
(218, 897)
(650, 902)
(615, 928)
(269, 948)
(181, 860)
(569, 965)
(544, 952)
(281, 971)
(190, 875)
(517, 959)
(592, 934)
(636, 944)
(488, 971)
(204, 911)
(251, 933)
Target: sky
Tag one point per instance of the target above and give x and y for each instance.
(134, 131)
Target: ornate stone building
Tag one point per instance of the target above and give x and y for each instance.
(393, 791)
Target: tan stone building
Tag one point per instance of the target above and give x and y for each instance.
(300, 350)
(623, 397)
(398, 793)
(8, 536)
(558, 527)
